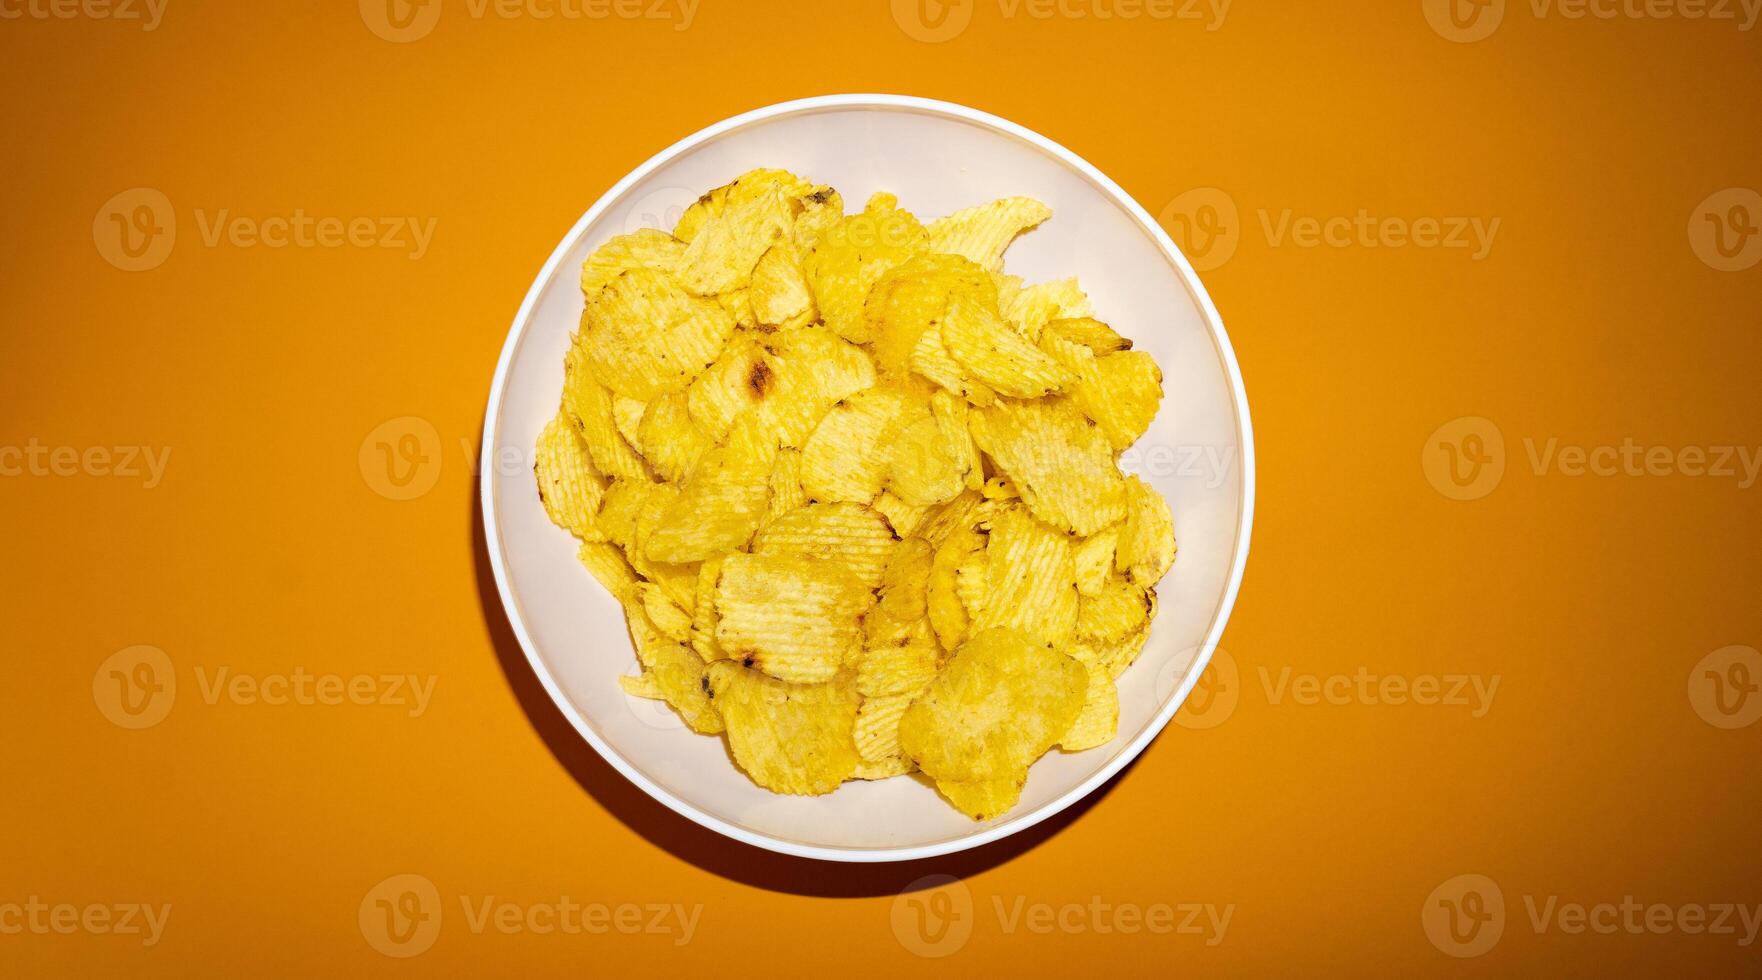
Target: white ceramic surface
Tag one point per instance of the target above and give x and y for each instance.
(937, 157)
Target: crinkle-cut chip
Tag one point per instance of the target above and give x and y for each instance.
(703, 614)
(743, 375)
(911, 299)
(905, 518)
(815, 370)
(678, 676)
(794, 617)
(608, 566)
(1147, 540)
(669, 439)
(789, 738)
(948, 615)
(928, 466)
(1114, 655)
(647, 248)
(779, 290)
(982, 233)
(1121, 608)
(851, 536)
(1033, 309)
(722, 253)
(851, 255)
(645, 637)
(969, 584)
(592, 405)
(1094, 561)
(877, 728)
(1088, 331)
(950, 413)
(996, 355)
(904, 586)
(1008, 289)
(1030, 579)
(739, 304)
(568, 485)
(724, 500)
(1000, 702)
(955, 515)
(623, 501)
(820, 210)
(748, 186)
(672, 621)
(786, 492)
(931, 359)
(1099, 721)
(846, 458)
(900, 668)
(985, 798)
(1119, 392)
(677, 579)
(644, 336)
(627, 416)
(885, 769)
(1060, 463)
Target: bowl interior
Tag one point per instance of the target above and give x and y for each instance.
(936, 162)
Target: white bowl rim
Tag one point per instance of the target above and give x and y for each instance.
(978, 838)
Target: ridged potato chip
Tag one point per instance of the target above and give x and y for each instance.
(1000, 703)
(1099, 721)
(606, 562)
(1147, 540)
(911, 299)
(982, 233)
(591, 403)
(703, 613)
(903, 594)
(930, 462)
(851, 255)
(846, 457)
(815, 369)
(850, 536)
(724, 501)
(796, 618)
(743, 374)
(1120, 608)
(1088, 331)
(724, 251)
(1119, 392)
(877, 727)
(1033, 308)
(905, 666)
(1061, 464)
(568, 485)
(999, 357)
(789, 738)
(905, 518)
(1094, 561)
(1030, 580)
(643, 335)
(780, 287)
(644, 249)
(676, 675)
(948, 614)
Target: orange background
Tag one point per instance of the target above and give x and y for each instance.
(265, 548)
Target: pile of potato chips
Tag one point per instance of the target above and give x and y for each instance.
(857, 489)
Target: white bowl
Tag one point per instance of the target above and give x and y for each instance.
(937, 157)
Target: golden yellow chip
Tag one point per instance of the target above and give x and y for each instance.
(997, 356)
(1033, 309)
(905, 518)
(851, 255)
(877, 727)
(1088, 331)
(910, 300)
(948, 614)
(846, 458)
(643, 335)
(999, 704)
(780, 287)
(1030, 579)
(743, 375)
(1121, 607)
(644, 249)
(1060, 463)
(1099, 721)
(850, 536)
(789, 738)
(703, 613)
(886, 769)
(815, 370)
(904, 588)
(786, 492)
(905, 666)
(592, 405)
(955, 515)
(672, 621)
(929, 462)
(1116, 655)
(723, 503)
(568, 485)
(1147, 540)
(606, 562)
(986, 798)
(1094, 561)
(668, 438)
(676, 675)
(623, 500)
(1119, 392)
(982, 233)
(627, 416)
(796, 618)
